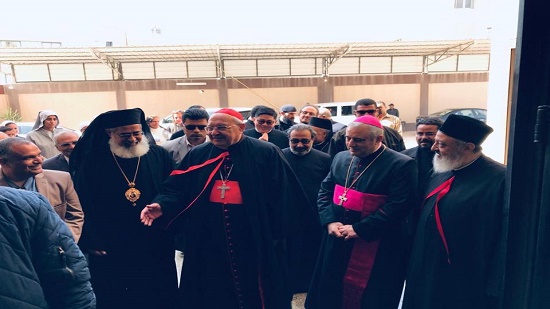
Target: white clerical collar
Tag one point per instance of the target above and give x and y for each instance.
(267, 132)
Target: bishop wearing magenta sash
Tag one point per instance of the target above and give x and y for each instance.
(362, 203)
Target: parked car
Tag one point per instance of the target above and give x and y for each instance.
(245, 111)
(476, 113)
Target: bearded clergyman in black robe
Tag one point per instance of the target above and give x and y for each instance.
(311, 167)
(362, 203)
(117, 170)
(232, 200)
(458, 253)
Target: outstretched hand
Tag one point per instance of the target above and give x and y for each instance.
(150, 213)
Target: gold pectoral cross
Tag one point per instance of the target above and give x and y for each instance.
(342, 198)
(223, 188)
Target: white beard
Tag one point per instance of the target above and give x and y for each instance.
(446, 164)
(132, 152)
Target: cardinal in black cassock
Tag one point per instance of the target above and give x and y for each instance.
(233, 204)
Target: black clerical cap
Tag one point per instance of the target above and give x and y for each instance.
(466, 129)
(320, 123)
(288, 108)
(119, 118)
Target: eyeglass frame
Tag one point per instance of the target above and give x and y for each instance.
(68, 144)
(192, 127)
(222, 128)
(267, 122)
(369, 111)
(130, 134)
(300, 140)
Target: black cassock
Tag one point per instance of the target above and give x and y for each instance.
(392, 175)
(471, 216)
(140, 259)
(235, 252)
(303, 248)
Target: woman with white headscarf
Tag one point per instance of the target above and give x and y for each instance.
(44, 129)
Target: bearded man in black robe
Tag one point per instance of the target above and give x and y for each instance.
(233, 199)
(458, 252)
(117, 170)
(311, 166)
(362, 203)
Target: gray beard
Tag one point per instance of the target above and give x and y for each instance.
(301, 154)
(132, 152)
(446, 164)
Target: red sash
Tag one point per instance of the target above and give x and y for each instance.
(441, 191)
(363, 253)
(194, 167)
(228, 193)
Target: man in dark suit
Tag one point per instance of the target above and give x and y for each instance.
(21, 168)
(64, 142)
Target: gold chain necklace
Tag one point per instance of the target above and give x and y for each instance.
(343, 197)
(132, 194)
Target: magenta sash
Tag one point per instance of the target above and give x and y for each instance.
(363, 253)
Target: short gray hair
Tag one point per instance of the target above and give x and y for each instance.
(63, 133)
(7, 144)
(302, 127)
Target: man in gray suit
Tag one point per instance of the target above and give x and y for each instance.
(194, 124)
(64, 142)
(21, 166)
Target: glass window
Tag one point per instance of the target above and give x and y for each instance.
(347, 110)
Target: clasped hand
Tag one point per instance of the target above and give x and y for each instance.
(339, 230)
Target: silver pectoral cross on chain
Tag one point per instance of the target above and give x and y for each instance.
(342, 198)
(223, 188)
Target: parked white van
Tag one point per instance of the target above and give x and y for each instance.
(341, 111)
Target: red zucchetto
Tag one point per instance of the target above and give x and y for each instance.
(230, 112)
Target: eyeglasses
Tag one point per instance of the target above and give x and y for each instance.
(68, 144)
(219, 128)
(297, 140)
(363, 112)
(127, 135)
(268, 122)
(194, 126)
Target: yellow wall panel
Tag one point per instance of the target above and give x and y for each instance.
(278, 97)
(72, 108)
(456, 95)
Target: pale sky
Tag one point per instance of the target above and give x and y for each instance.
(85, 23)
